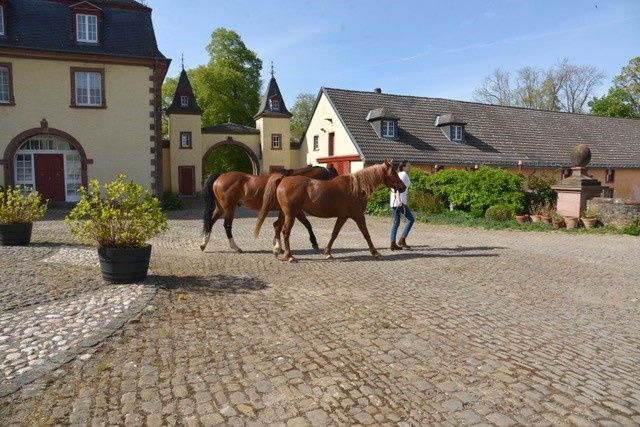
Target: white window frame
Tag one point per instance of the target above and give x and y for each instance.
(182, 139)
(456, 133)
(68, 179)
(388, 129)
(84, 23)
(274, 104)
(316, 143)
(276, 141)
(184, 101)
(6, 100)
(1, 20)
(84, 77)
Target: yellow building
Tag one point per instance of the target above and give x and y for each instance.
(267, 146)
(81, 99)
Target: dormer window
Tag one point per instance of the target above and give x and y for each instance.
(388, 129)
(86, 28)
(456, 133)
(184, 101)
(2, 20)
(274, 104)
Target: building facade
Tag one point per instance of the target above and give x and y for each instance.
(80, 95)
(185, 153)
(353, 129)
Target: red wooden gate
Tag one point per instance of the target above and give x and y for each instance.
(186, 180)
(49, 171)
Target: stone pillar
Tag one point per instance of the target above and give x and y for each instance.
(574, 191)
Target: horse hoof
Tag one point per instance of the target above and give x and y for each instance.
(377, 255)
(292, 259)
(202, 247)
(328, 256)
(239, 251)
(317, 248)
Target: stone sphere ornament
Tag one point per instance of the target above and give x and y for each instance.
(580, 156)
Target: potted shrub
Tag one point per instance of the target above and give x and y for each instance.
(18, 211)
(119, 217)
(521, 216)
(535, 212)
(589, 218)
(545, 213)
(557, 220)
(571, 221)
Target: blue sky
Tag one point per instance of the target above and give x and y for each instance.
(424, 48)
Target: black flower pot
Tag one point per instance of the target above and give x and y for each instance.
(124, 265)
(15, 234)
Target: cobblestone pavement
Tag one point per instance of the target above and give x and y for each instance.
(470, 327)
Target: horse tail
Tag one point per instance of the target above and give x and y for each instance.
(209, 203)
(268, 200)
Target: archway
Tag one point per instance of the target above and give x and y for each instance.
(227, 156)
(48, 160)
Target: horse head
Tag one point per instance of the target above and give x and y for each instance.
(391, 178)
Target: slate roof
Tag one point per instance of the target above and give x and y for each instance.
(265, 109)
(495, 135)
(231, 128)
(183, 88)
(126, 29)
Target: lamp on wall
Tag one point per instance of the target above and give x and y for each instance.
(323, 130)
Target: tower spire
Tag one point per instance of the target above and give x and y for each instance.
(272, 73)
(183, 61)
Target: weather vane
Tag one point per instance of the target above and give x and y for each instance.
(272, 69)
(182, 61)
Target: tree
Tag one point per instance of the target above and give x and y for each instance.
(228, 86)
(301, 110)
(496, 89)
(629, 81)
(564, 87)
(617, 103)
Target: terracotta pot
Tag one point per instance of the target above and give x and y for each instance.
(545, 219)
(535, 218)
(571, 221)
(589, 222)
(521, 219)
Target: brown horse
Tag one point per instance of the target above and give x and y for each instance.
(224, 192)
(343, 197)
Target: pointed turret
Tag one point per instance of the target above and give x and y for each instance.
(184, 101)
(272, 102)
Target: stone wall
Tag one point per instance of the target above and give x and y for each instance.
(615, 212)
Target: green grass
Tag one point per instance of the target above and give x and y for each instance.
(466, 219)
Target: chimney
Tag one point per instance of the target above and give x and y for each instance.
(377, 90)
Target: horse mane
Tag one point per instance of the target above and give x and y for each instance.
(365, 181)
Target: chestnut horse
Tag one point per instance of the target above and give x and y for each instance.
(223, 192)
(343, 197)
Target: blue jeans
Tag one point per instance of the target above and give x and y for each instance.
(395, 217)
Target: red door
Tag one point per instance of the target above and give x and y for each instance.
(332, 137)
(186, 180)
(49, 169)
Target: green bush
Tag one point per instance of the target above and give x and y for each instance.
(498, 213)
(426, 203)
(171, 202)
(539, 192)
(125, 217)
(633, 228)
(16, 207)
(378, 203)
(476, 191)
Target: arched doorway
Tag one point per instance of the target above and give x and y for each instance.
(50, 165)
(227, 156)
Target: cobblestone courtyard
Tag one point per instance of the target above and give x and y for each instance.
(470, 327)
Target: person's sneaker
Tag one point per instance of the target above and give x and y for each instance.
(403, 243)
(395, 247)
